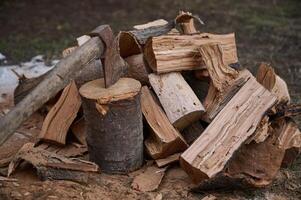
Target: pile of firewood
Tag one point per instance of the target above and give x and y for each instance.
(169, 89)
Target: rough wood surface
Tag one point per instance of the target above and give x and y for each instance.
(65, 71)
(60, 117)
(52, 166)
(114, 124)
(149, 180)
(179, 102)
(185, 20)
(168, 160)
(169, 53)
(208, 155)
(158, 22)
(271, 81)
(224, 80)
(164, 140)
(137, 68)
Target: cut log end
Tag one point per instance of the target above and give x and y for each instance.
(124, 88)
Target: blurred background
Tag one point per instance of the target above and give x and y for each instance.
(266, 30)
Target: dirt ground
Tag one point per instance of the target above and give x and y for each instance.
(268, 31)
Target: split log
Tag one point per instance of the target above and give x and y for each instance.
(224, 80)
(60, 117)
(65, 71)
(78, 129)
(209, 154)
(181, 105)
(168, 160)
(186, 22)
(164, 140)
(52, 166)
(158, 22)
(114, 124)
(170, 53)
(271, 81)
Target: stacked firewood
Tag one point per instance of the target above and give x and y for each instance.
(199, 107)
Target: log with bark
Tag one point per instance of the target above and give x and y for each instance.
(114, 124)
(164, 139)
(65, 71)
(209, 154)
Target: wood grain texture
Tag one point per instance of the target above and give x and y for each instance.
(208, 155)
(169, 53)
(179, 102)
(60, 117)
(164, 140)
(271, 81)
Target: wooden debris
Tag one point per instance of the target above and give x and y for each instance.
(114, 124)
(61, 116)
(209, 154)
(149, 180)
(164, 140)
(186, 22)
(181, 105)
(168, 160)
(52, 166)
(170, 53)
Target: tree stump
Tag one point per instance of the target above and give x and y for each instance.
(114, 124)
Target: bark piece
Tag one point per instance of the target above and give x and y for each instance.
(168, 160)
(69, 150)
(170, 53)
(78, 129)
(65, 71)
(181, 105)
(61, 116)
(137, 68)
(271, 81)
(149, 180)
(164, 139)
(208, 155)
(52, 166)
(114, 124)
